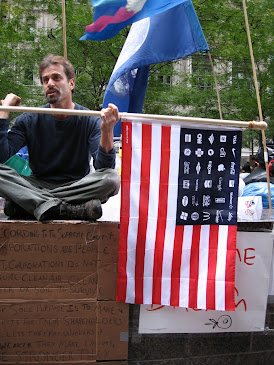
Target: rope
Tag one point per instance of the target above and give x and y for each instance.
(216, 84)
(258, 102)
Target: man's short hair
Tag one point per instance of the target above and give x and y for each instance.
(51, 59)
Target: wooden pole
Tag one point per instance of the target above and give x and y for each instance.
(258, 102)
(64, 28)
(148, 118)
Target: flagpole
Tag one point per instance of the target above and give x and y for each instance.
(149, 118)
(170, 119)
(258, 102)
(64, 28)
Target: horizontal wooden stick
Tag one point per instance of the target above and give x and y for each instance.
(152, 118)
(173, 118)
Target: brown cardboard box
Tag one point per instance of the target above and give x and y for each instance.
(57, 293)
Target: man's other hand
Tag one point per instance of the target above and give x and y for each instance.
(11, 100)
(110, 117)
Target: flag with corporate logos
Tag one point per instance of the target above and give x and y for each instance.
(173, 34)
(178, 220)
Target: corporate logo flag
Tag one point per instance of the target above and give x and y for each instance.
(178, 215)
(173, 34)
(110, 16)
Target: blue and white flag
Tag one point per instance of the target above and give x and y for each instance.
(173, 34)
(110, 16)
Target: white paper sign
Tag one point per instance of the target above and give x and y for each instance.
(253, 262)
(250, 208)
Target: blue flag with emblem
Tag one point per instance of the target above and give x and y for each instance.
(173, 34)
(110, 16)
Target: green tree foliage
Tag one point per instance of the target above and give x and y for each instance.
(25, 41)
(224, 28)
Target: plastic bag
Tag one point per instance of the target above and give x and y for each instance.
(260, 189)
(257, 175)
(24, 153)
(19, 165)
(259, 157)
(241, 187)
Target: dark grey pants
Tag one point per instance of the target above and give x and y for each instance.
(37, 196)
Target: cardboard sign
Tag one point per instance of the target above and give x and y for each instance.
(57, 294)
(253, 261)
(58, 261)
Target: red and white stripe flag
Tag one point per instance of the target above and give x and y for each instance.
(178, 227)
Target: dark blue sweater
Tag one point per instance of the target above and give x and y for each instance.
(59, 150)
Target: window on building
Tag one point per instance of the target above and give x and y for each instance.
(30, 22)
(240, 78)
(166, 80)
(201, 72)
(28, 76)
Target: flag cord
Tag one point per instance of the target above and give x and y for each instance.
(216, 84)
(64, 28)
(149, 118)
(258, 102)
